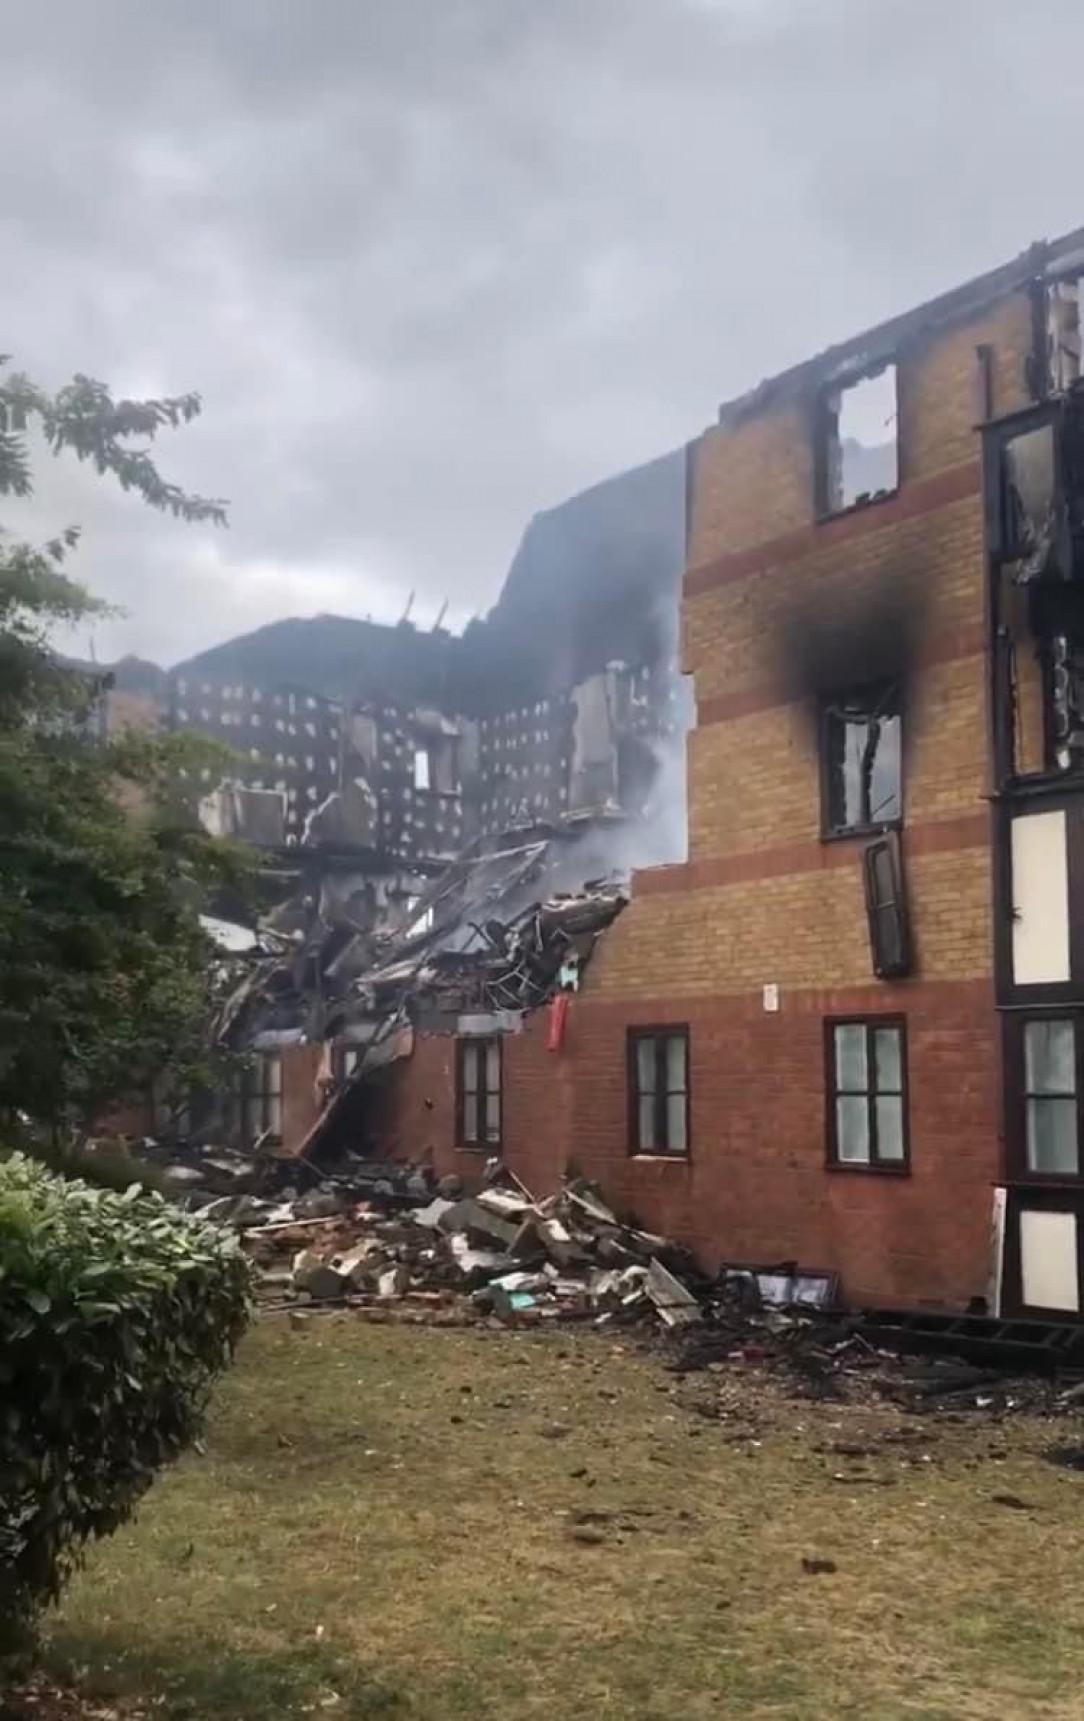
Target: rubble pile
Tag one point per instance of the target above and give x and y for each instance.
(393, 1236)
(500, 1251)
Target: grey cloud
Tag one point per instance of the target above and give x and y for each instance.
(437, 264)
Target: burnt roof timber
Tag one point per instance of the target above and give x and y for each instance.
(1046, 259)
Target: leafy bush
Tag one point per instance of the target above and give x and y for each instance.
(116, 1314)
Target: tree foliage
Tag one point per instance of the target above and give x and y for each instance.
(105, 974)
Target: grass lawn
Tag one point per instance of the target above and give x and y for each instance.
(406, 1522)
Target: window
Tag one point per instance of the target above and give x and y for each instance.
(1029, 499)
(478, 1093)
(1063, 333)
(436, 765)
(858, 444)
(261, 1096)
(658, 1061)
(861, 760)
(345, 1062)
(1051, 1097)
(867, 1112)
(886, 908)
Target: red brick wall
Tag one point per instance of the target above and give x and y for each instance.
(755, 1187)
(299, 1103)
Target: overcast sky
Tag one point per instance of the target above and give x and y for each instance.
(436, 264)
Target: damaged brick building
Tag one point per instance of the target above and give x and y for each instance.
(546, 740)
(848, 1028)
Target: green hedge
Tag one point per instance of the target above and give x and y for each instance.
(116, 1313)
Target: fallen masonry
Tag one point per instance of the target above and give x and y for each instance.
(393, 1242)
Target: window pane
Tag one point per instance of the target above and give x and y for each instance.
(493, 1117)
(493, 1066)
(852, 1130)
(675, 1123)
(273, 1075)
(1052, 1136)
(675, 1063)
(471, 1131)
(646, 1138)
(886, 1043)
(470, 1068)
(889, 1128)
(851, 1075)
(885, 799)
(645, 1066)
(274, 1115)
(1049, 1058)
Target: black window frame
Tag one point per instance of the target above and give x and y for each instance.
(883, 697)
(260, 1100)
(1020, 1169)
(480, 1141)
(879, 1167)
(660, 1033)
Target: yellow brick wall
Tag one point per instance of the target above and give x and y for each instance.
(937, 388)
(755, 783)
(753, 778)
(803, 929)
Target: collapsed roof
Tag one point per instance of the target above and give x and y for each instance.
(508, 923)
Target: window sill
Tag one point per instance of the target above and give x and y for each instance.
(868, 1170)
(662, 1158)
(861, 832)
(1039, 1180)
(477, 1147)
(824, 515)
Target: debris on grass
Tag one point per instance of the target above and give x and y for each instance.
(393, 1242)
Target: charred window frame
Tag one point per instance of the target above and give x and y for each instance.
(344, 1062)
(861, 754)
(850, 471)
(1026, 506)
(1034, 503)
(1063, 345)
(866, 1092)
(261, 1096)
(1045, 1073)
(658, 1091)
(886, 908)
(436, 764)
(479, 1095)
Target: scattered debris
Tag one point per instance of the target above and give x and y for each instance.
(1067, 1457)
(816, 1566)
(1013, 1501)
(392, 1240)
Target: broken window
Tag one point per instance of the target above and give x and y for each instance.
(1029, 499)
(858, 443)
(861, 738)
(658, 1062)
(886, 908)
(1051, 1097)
(1063, 333)
(478, 1093)
(436, 765)
(261, 1096)
(867, 1121)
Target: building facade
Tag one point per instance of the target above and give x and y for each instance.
(848, 1029)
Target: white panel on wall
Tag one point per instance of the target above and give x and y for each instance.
(1040, 890)
(1048, 1260)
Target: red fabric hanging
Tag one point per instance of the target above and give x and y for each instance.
(560, 1005)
